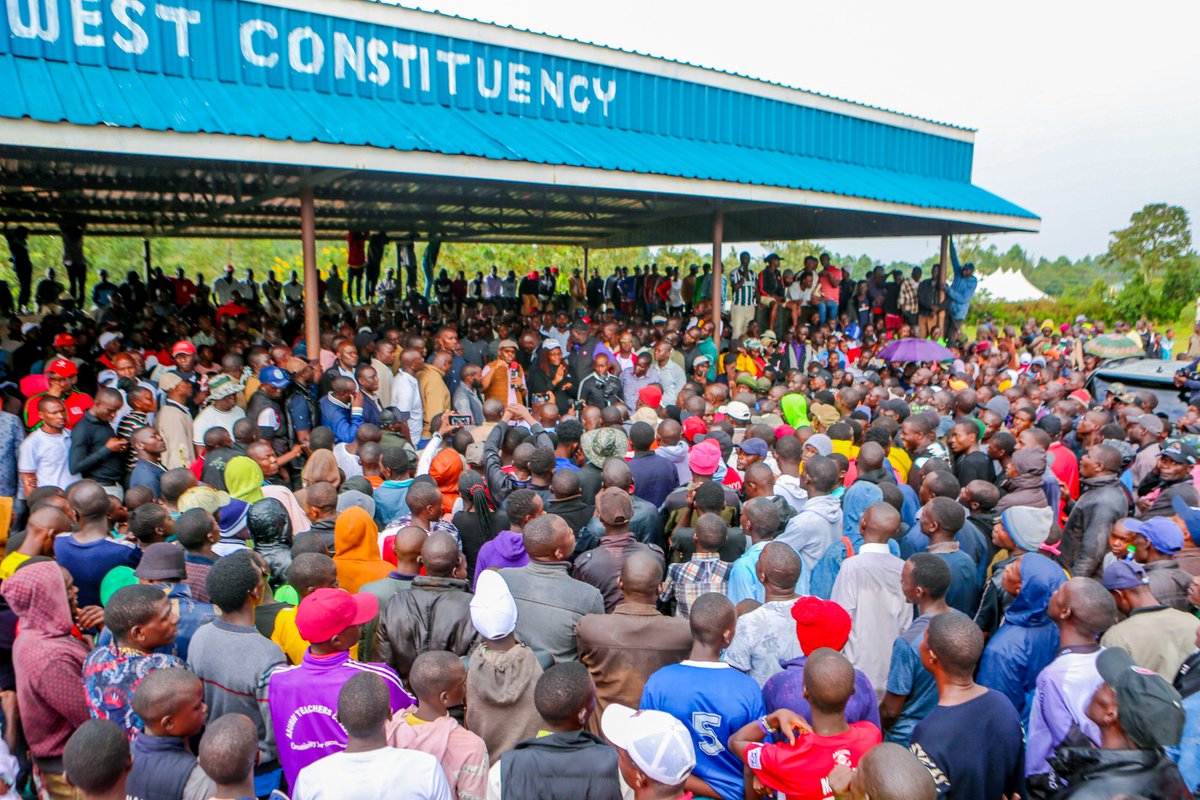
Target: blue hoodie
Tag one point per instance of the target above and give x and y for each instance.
(1027, 640)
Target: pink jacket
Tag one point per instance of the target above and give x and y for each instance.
(462, 754)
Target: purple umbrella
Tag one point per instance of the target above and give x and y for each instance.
(904, 350)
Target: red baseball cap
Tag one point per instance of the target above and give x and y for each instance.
(693, 427)
(62, 368)
(651, 396)
(327, 612)
(64, 340)
(183, 346)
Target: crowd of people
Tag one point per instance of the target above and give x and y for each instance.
(567, 540)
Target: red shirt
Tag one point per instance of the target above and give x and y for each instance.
(801, 770)
(77, 404)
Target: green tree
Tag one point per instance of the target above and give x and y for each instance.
(1158, 239)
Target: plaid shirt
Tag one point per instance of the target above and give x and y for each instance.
(908, 296)
(705, 573)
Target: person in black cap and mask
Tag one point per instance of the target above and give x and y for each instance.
(1139, 714)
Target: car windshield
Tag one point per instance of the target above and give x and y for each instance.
(1169, 401)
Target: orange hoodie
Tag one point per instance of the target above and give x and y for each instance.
(356, 542)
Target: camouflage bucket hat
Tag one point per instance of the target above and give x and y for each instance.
(604, 443)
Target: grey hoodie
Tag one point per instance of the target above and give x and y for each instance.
(677, 454)
(811, 532)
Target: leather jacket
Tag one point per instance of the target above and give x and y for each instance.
(434, 614)
(1095, 774)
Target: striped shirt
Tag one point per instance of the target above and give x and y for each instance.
(705, 573)
(747, 291)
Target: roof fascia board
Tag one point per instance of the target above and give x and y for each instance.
(247, 149)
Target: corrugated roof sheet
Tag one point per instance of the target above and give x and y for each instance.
(665, 59)
(56, 91)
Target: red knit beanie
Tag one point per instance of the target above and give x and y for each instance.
(820, 623)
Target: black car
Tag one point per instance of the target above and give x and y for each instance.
(1142, 375)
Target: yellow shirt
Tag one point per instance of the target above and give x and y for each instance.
(288, 637)
(901, 461)
(10, 563)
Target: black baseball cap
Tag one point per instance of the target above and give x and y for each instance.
(1179, 452)
(1149, 708)
(162, 561)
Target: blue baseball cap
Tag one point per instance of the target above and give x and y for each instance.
(1124, 575)
(754, 447)
(1189, 514)
(274, 376)
(1163, 534)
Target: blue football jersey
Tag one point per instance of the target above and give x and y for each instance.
(713, 701)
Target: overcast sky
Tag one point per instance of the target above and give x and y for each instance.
(1085, 111)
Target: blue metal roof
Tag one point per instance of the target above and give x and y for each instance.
(378, 79)
(667, 60)
(50, 91)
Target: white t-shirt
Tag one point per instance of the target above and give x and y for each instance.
(347, 461)
(388, 773)
(797, 294)
(46, 456)
(212, 417)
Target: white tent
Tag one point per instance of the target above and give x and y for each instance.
(1010, 287)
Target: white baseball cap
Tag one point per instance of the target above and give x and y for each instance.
(656, 742)
(737, 409)
(493, 610)
(107, 337)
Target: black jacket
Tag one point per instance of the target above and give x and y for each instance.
(434, 614)
(1101, 503)
(280, 437)
(562, 766)
(1094, 774)
(600, 391)
(574, 511)
(89, 458)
